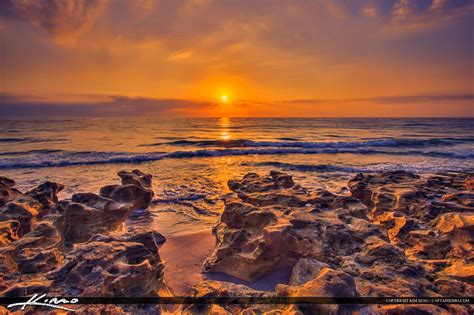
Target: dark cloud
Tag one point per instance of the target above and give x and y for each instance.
(14, 105)
(401, 99)
(409, 15)
(59, 18)
(412, 8)
(406, 8)
(420, 98)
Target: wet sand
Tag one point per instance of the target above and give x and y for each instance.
(183, 256)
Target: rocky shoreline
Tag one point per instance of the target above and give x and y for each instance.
(391, 234)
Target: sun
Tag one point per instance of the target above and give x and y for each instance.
(224, 98)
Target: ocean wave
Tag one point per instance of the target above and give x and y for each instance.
(78, 158)
(308, 167)
(288, 139)
(93, 157)
(369, 143)
(368, 168)
(7, 140)
(278, 151)
(203, 143)
(31, 140)
(46, 151)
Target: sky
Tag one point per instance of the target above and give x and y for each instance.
(319, 58)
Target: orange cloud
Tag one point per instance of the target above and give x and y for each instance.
(248, 50)
(180, 55)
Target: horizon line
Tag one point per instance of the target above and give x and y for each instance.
(235, 117)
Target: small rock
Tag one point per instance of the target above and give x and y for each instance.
(282, 180)
(137, 196)
(46, 193)
(137, 178)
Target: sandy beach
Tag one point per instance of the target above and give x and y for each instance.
(183, 257)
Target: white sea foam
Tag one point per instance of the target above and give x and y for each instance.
(48, 159)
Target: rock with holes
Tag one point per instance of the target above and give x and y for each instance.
(394, 236)
(132, 194)
(137, 178)
(327, 283)
(111, 266)
(8, 231)
(136, 189)
(77, 246)
(23, 210)
(7, 190)
(35, 252)
(209, 288)
(282, 180)
(469, 182)
(462, 198)
(427, 218)
(271, 224)
(96, 215)
(46, 193)
(456, 224)
(305, 270)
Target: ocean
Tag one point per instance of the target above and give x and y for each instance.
(192, 159)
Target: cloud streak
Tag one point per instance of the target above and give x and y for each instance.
(311, 52)
(409, 15)
(62, 19)
(14, 105)
(400, 99)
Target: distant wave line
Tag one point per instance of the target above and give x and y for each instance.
(92, 157)
(386, 142)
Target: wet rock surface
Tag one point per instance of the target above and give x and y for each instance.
(110, 266)
(7, 190)
(97, 214)
(394, 234)
(78, 246)
(136, 189)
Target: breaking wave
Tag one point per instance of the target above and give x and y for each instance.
(47, 158)
(368, 168)
(385, 142)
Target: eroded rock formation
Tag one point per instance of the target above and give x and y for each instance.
(78, 247)
(270, 225)
(97, 215)
(136, 189)
(397, 234)
(393, 234)
(113, 265)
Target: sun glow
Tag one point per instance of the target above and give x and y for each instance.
(224, 99)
